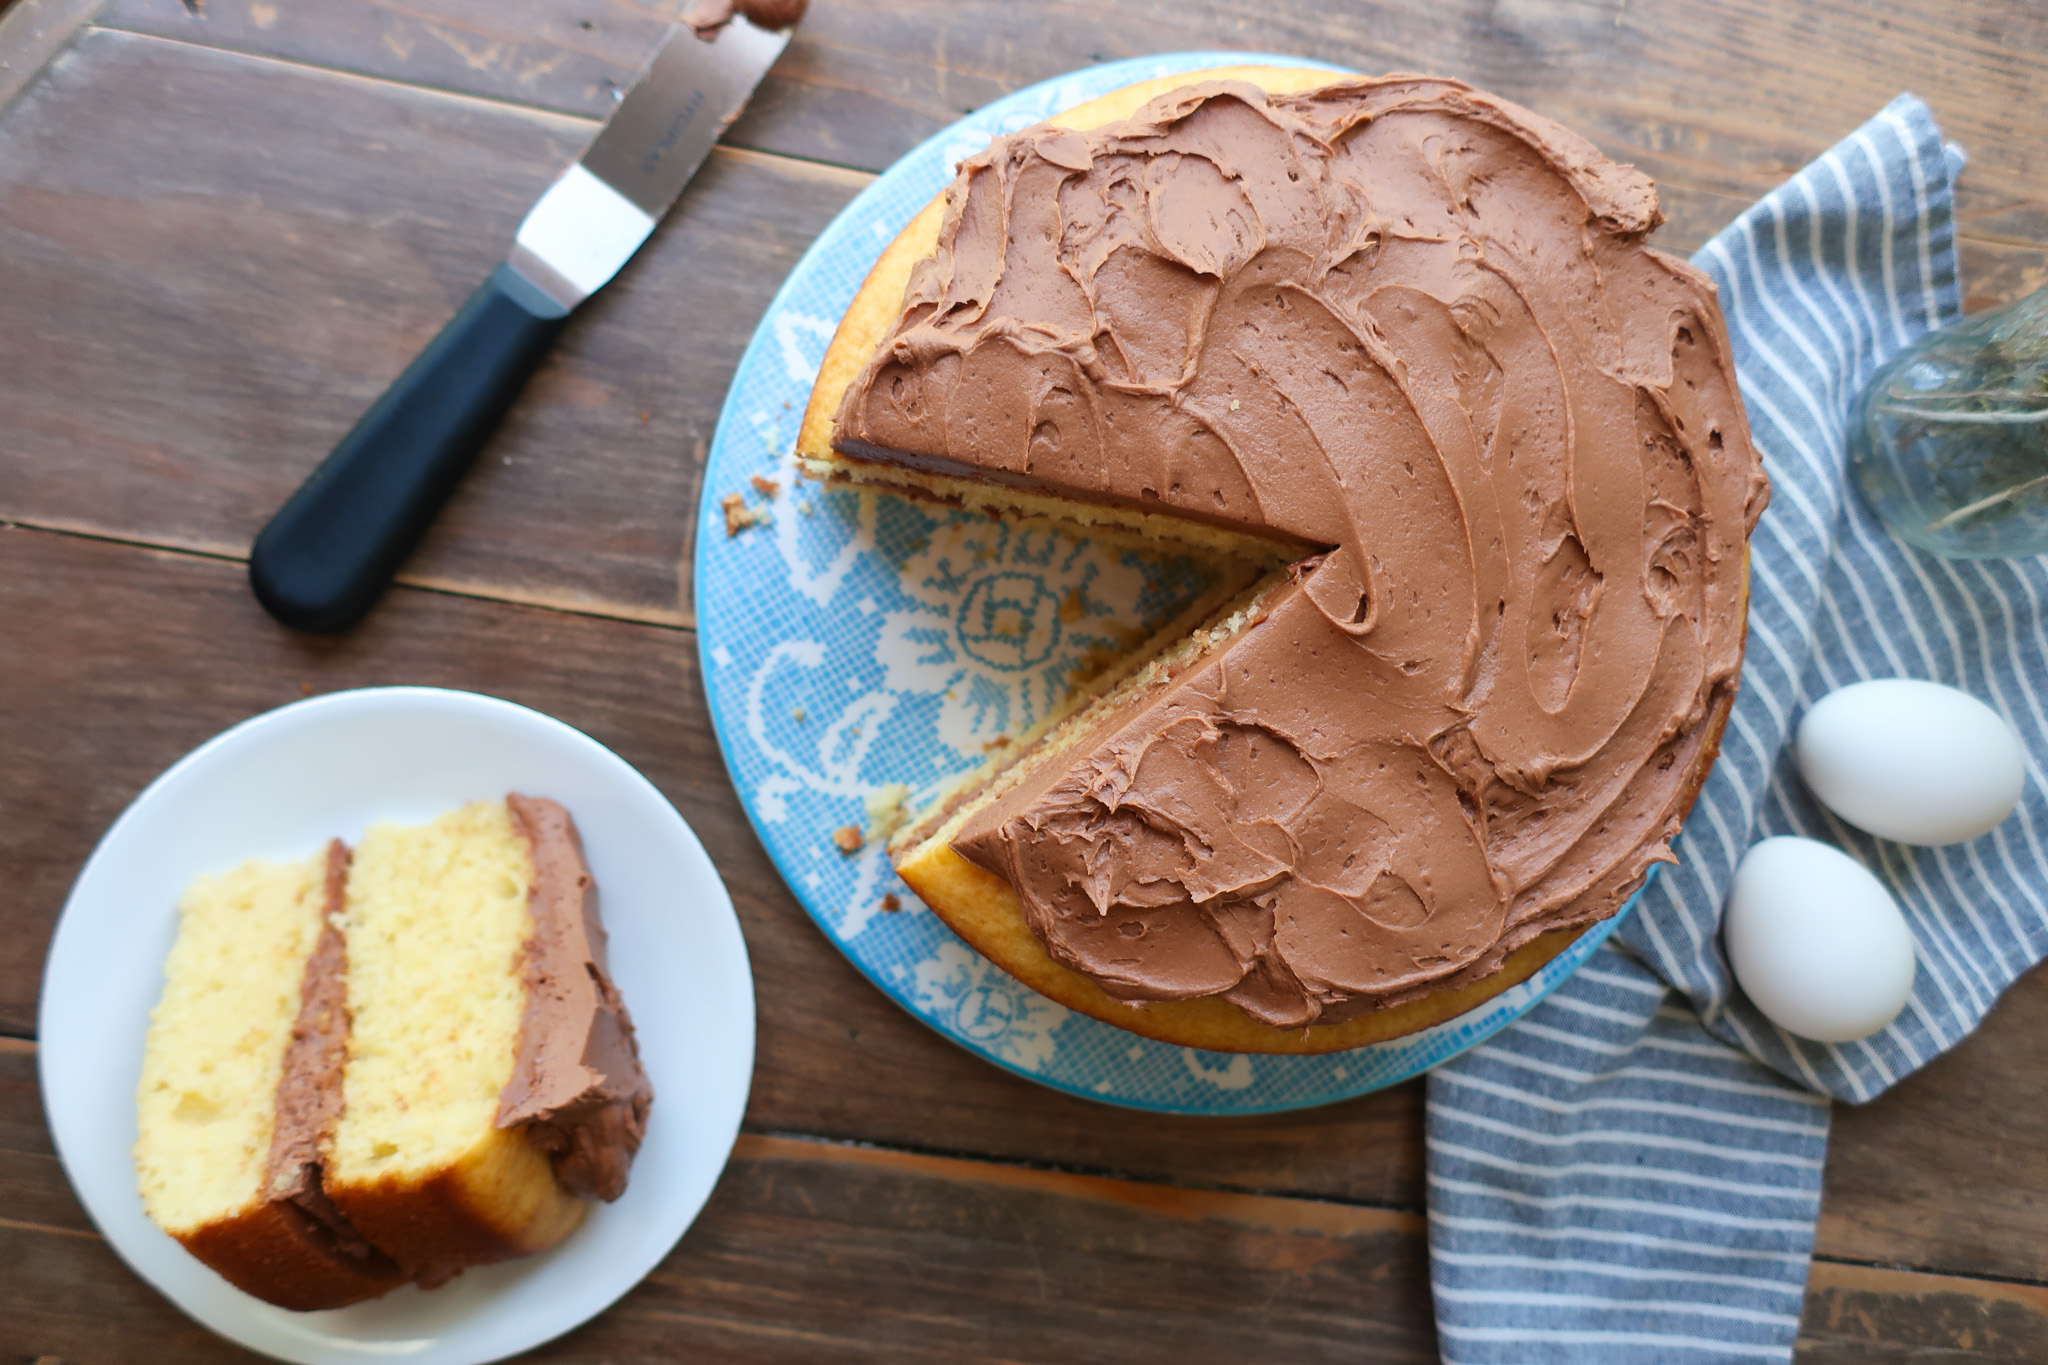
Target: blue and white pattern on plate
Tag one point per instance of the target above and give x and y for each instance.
(856, 640)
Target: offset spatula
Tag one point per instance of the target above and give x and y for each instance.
(331, 549)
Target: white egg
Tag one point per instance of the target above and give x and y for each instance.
(1816, 941)
(1911, 761)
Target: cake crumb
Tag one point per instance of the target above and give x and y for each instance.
(1093, 664)
(800, 716)
(887, 811)
(999, 742)
(891, 903)
(766, 487)
(847, 839)
(1234, 405)
(738, 516)
(804, 508)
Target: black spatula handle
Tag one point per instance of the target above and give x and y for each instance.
(331, 549)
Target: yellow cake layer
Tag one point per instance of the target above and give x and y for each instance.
(435, 920)
(217, 1040)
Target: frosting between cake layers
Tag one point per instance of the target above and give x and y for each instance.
(577, 1085)
(1414, 326)
(308, 1101)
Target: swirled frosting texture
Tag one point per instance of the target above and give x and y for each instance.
(1417, 328)
(577, 1086)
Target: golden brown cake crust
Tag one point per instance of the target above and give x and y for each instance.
(277, 1253)
(985, 912)
(500, 1201)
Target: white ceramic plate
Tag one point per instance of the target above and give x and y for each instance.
(281, 785)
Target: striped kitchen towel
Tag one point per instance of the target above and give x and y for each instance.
(1632, 1172)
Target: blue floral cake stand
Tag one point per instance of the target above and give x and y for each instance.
(853, 641)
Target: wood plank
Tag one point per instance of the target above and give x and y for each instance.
(566, 55)
(21, 1112)
(1009, 1264)
(814, 1251)
(249, 297)
(1870, 1315)
(33, 31)
(1732, 96)
(1950, 1167)
(144, 655)
(255, 302)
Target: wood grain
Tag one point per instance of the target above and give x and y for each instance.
(1732, 96)
(220, 235)
(1871, 1315)
(152, 653)
(33, 31)
(1950, 1168)
(572, 56)
(254, 300)
(814, 1251)
(189, 321)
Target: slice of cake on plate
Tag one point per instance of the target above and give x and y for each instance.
(411, 1059)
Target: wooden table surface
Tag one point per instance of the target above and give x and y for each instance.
(224, 226)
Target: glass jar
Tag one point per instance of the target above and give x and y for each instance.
(1949, 440)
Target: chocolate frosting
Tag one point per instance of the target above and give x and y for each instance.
(309, 1094)
(1417, 328)
(706, 17)
(576, 1085)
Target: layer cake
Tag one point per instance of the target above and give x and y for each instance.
(1409, 338)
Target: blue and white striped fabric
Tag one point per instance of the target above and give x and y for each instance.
(1608, 1183)
(1633, 1171)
